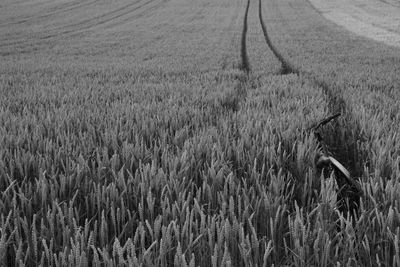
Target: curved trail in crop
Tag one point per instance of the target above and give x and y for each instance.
(336, 104)
(127, 19)
(103, 19)
(57, 10)
(47, 12)
(245, 66)
(287, 68)
(88, 24)
(240, 91)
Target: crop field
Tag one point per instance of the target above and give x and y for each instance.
(177, 132)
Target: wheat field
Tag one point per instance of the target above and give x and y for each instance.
(177, 133)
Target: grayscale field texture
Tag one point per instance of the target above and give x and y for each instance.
(177, 132)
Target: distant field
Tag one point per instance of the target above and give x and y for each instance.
(176, 133)
(378, 20)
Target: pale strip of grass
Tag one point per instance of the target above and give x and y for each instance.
(370, 14)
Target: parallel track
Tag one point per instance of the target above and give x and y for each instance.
(89, 24)
(245, 65)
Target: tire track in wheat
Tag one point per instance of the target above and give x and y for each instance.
(245, 66)
(342, 139)
(87, 23)
(287, 68)
(83, 26)
(240, 92)
(50, 13)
